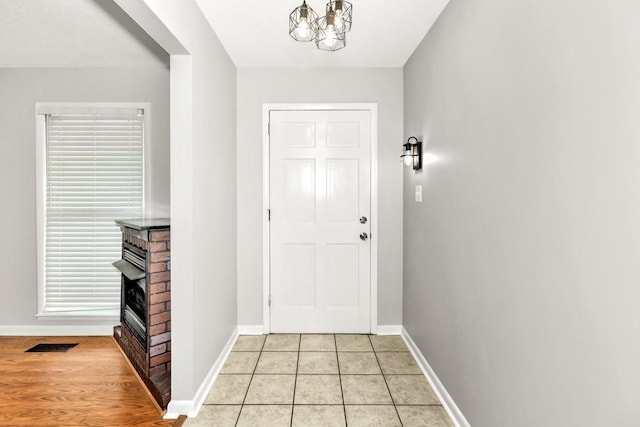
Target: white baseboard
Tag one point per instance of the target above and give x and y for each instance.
(447, 401)
(250, 330)
(190, 408)
(177, 408)
(389, 329)
(56, 330)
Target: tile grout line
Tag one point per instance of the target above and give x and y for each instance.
(266, 374)
(297, 373)
(344, 407)
(295, 380)
(325, 404)
(385, 381)
(251, 380)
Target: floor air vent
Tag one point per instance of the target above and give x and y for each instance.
(50, 348)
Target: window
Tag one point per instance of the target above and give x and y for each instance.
(91, 172)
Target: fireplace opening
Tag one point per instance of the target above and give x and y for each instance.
(135, 308)
(134, 292)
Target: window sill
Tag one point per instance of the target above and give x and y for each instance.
(80, 315)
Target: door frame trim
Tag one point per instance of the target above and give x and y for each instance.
(266, 235)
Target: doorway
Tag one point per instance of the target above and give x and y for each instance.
(321, 217)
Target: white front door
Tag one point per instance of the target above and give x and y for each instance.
(320, 200)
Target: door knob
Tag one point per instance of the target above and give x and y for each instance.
(364, 236)
(363, 220)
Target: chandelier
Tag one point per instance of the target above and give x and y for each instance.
(329, 31)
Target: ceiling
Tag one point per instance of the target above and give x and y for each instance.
(73, 33)
(97, 33)
(385, 32)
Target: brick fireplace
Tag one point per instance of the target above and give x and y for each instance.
(145, 330)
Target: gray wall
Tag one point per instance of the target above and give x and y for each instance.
(258, 86)
(522, 266)
(214, 200)
(203, 183)
(21, 89)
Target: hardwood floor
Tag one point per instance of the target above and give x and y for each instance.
(89, 385)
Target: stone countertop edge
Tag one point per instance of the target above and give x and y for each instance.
(144, 223)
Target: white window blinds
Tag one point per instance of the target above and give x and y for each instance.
(94, 175)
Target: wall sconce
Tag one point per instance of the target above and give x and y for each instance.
(413, 153)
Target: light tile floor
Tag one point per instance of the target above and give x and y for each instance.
(320, 380)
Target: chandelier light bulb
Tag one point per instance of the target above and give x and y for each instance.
(343, 12)
(331, 38)
(303, 30)
(301, 23)
(328, 31)
(338, 8)
(331, 29)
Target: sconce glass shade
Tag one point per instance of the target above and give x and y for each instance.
(302, 23)
(344, 13)
(328, 37)
(408, 157)
(412, 155)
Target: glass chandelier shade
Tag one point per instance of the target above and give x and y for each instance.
(344, 14)
(330, 33)
(302, 23)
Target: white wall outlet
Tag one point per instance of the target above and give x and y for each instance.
(419, 193)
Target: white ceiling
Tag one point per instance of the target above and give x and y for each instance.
(385, 32)
(97, 33)
(73, 33)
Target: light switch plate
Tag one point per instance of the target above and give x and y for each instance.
(419, 193)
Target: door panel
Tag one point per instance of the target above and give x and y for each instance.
(343, 134)
(299, 134)
(343, 190)
(298, 274)
(320, 177)
(342, 275)
(299, 189)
